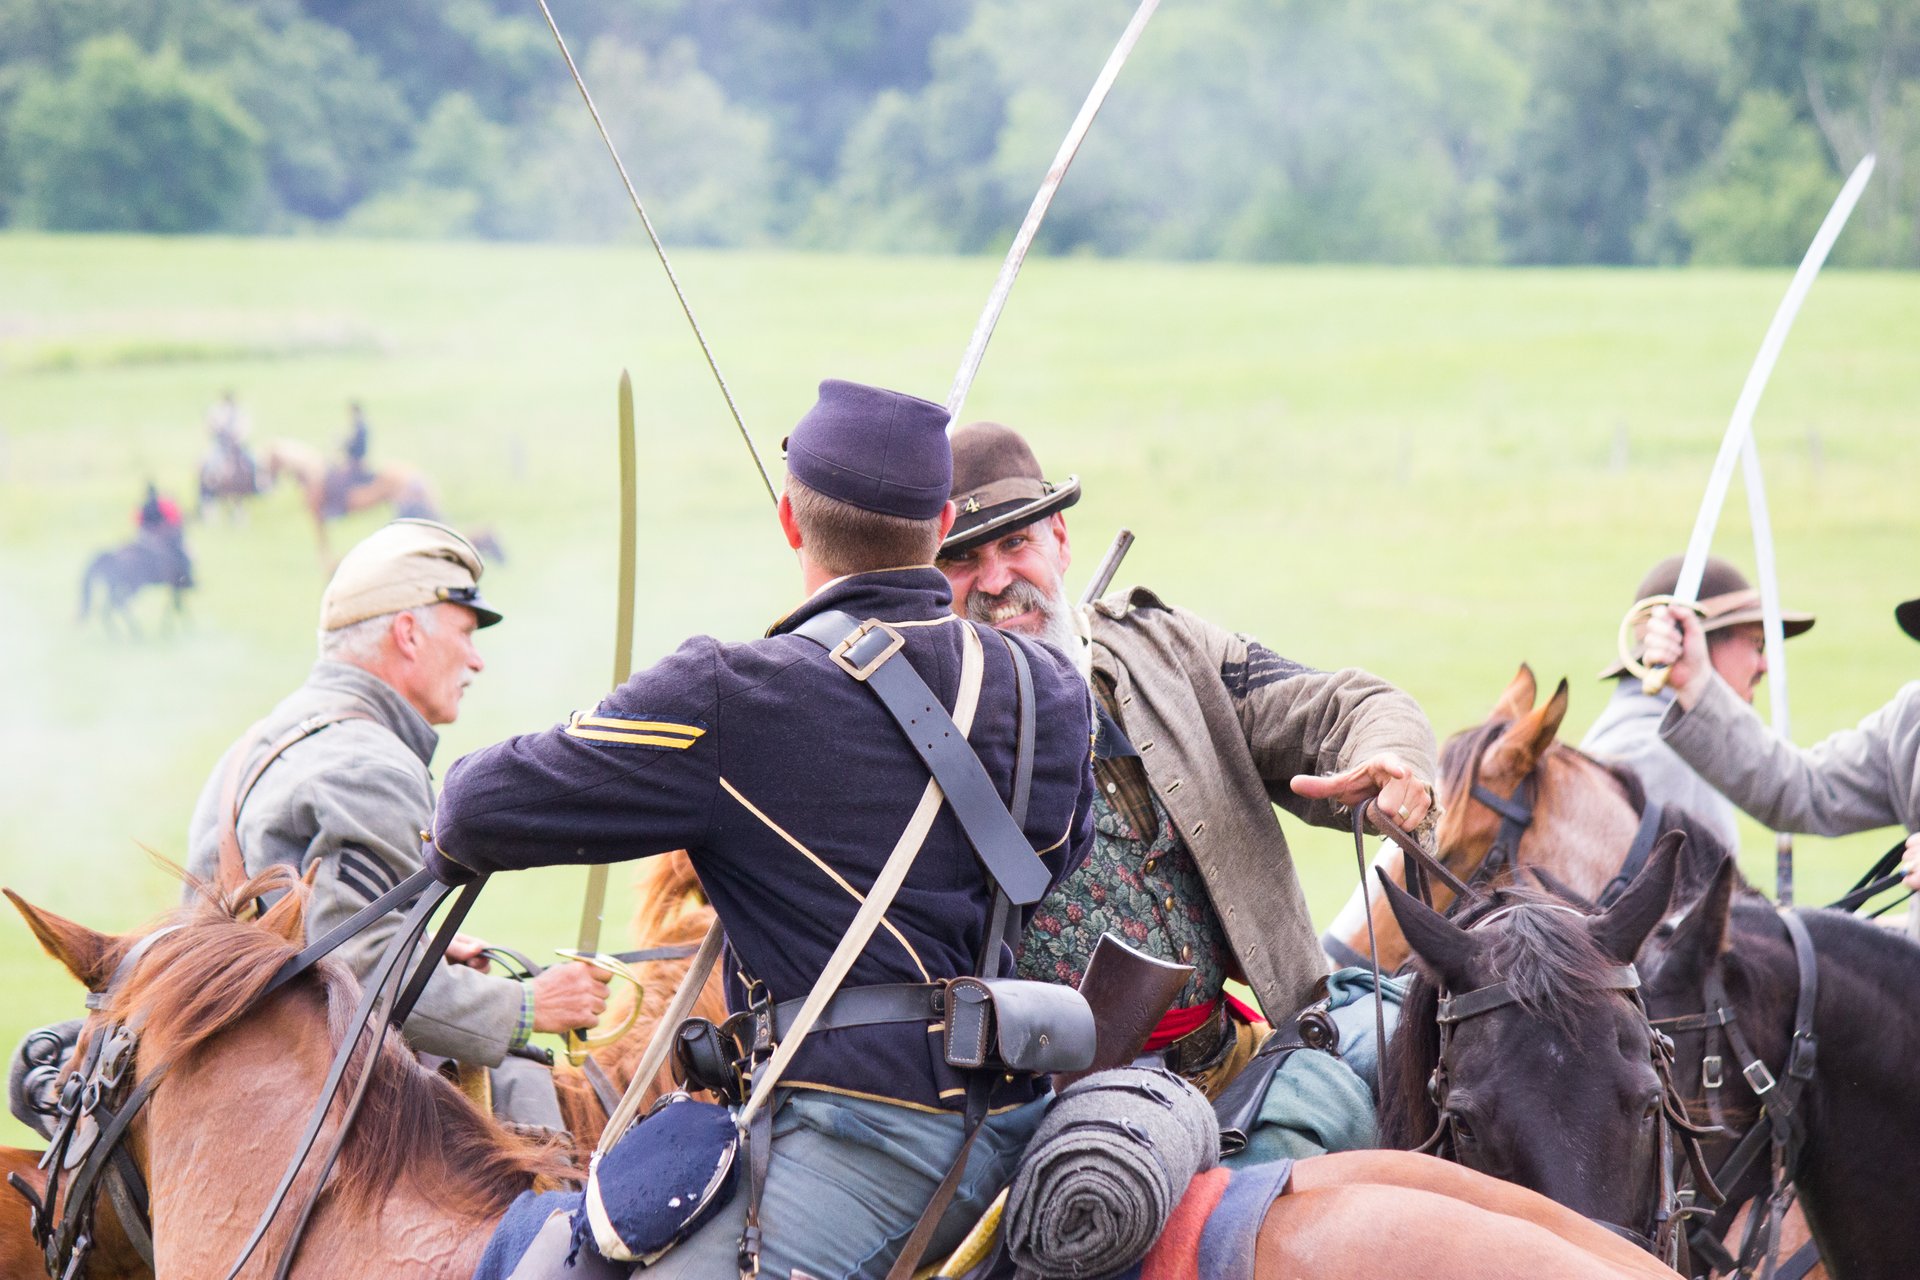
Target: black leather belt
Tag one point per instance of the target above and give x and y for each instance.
(869, 1007)
(1201, 1047)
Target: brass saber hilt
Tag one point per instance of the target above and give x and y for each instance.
(1652, 679)
(580, 1043)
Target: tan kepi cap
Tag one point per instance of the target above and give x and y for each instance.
(404, 565)
(1727, 599)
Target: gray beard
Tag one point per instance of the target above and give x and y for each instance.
(1056, 622)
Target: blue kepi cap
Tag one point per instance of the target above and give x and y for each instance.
(878, 450)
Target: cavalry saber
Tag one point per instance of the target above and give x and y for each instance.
(1686, 592)
(660, 251)
(591, 911)
(1776, 640)
(1037, 211)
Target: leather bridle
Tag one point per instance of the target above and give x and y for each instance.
(1515, 811)
(1674, 1202)
(97, 1106)
(1780, 1130)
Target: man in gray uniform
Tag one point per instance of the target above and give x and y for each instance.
(335, 780)
(1855, 780)
(1628, 730)
(1201, 732)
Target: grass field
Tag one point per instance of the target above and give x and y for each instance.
(1432, 474)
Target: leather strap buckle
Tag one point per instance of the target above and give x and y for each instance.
(1711, 1075)
(1758, 1077)
(866, 662)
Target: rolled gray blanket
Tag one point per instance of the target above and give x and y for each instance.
(1108, 1163)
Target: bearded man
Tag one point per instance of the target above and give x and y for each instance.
(1201, 732)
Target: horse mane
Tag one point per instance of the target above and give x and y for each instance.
(670, 908)
(203, 978)
(1550, 963)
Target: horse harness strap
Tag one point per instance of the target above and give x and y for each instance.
(240, 781)
(1783, 1135)
(1516, 815)
(92, 1088)
(1638, 852)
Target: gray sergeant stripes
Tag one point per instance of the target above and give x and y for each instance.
(363, 873)
(1262, 668)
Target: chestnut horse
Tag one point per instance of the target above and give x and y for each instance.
(399, 485)
(1585, 816)
(672, 909)
(423, 1176)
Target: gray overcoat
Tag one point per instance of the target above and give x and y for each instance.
(1855, 780)
(354, 797)
(1223, 724)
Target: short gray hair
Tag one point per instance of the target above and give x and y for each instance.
(359, 642)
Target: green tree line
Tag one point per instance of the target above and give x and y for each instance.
(1475, 131)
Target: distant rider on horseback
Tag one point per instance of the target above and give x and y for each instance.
(775, 764)
(1202, 732)
(229, 467)
(335, 780)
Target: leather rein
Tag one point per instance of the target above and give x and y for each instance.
(99, 1098)
(1780, 1130)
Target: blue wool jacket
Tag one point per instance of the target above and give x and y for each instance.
(788, 783)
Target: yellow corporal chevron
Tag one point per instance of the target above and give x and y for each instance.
(639, 733)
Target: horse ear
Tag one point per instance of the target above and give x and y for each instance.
(1521, 746)
(288, 917)
(1441, 945)
(1621, 929)
(1519, 696)
(79, 948)
(1701, 934)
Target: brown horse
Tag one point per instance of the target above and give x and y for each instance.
(423, 1176)
(1585, 817)
(328, 497)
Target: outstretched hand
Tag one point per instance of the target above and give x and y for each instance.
(1384, 779)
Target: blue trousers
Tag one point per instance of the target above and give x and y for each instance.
(848, 1180)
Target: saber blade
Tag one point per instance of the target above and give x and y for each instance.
(1037, 211)
(660, 251)
(593, 908)
(1774, 629)
(1687, 589)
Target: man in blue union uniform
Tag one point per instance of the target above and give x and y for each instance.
(789, 784)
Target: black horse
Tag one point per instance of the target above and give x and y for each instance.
(1857, 1116)
(154, 559)
(1524, 1051)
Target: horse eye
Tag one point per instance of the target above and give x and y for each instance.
(1652, 1108)
(1462, 1130)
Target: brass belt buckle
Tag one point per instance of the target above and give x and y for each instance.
(841, 653)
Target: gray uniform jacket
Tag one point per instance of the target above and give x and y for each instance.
(1222, 725)
(1857, 779)
(354, 797)
(1628, 733)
